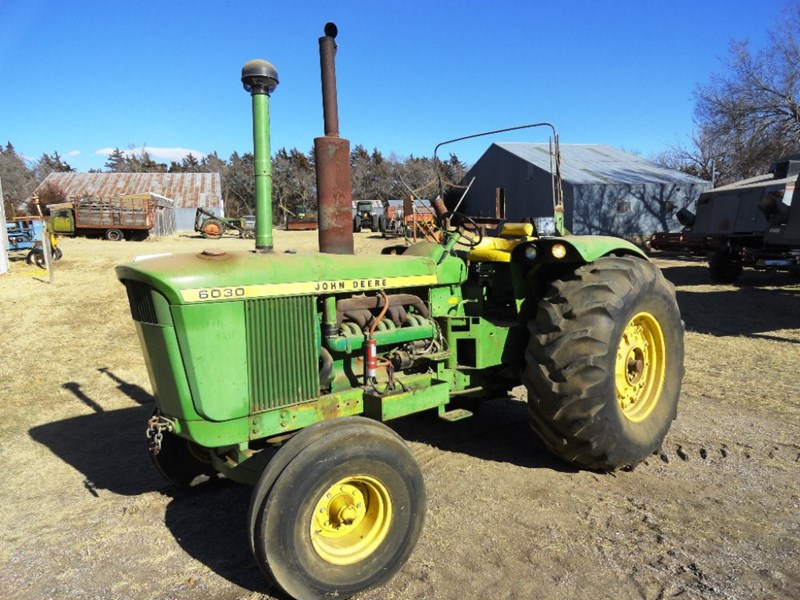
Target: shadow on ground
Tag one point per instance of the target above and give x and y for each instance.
(695, 272)
(761, 304)
(108, 447)
(209, 521)
(749, 312)
(210, 524)
(498, 431)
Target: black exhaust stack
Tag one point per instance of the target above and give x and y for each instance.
(332, 153)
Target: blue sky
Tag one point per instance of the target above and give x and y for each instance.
(79, 77)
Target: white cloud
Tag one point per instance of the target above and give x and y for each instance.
(73, 153)
(166, 154)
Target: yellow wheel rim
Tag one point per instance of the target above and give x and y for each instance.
(351, 520)
(640, 367)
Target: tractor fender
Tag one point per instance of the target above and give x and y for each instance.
(592, 247)
(578, 249)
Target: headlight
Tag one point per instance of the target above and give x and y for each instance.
(559, 250)
(530, 253)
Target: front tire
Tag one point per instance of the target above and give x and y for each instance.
(343, 515)
(605, 364)
(182, 462)
(36, 257)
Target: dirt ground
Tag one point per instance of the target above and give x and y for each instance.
(84, 514)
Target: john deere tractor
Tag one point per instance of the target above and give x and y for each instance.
(279, 370)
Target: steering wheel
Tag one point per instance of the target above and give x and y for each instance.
(469, 234)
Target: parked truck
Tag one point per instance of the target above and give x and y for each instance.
(123, 218)
(752, 223)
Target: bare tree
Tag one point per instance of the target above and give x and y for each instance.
(294, 182)
(702, 157)
(50, 193)
(18, 180)
(239, 188)
(752, 111)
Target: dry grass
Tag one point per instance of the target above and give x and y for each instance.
(84, 514)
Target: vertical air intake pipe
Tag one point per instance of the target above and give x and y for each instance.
(260, 79)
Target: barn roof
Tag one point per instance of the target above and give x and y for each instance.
(187, 190)
(598, 164)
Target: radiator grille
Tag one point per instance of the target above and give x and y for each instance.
(141, 302)
(282, 359)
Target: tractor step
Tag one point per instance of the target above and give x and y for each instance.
(457, 414)
(419, 393)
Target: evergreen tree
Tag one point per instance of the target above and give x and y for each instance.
(47, 164)
(18, 180)
(116, 161)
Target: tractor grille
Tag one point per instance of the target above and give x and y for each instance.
(141, 301)
(282, 359)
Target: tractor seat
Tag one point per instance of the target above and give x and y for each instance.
(498, 249)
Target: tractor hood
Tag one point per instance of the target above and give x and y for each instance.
(215, 275)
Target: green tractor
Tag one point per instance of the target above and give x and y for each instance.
(210, 226)
(279, 370)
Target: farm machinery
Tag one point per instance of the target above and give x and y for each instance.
(415, 222)
(26, 234)
(752, 223)
(211, 226)
(280, 369)
(128, 217)
(367, 218)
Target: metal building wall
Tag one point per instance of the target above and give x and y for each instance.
(527, 189)
(600, 206)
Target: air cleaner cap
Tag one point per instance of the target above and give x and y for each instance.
(259, 77)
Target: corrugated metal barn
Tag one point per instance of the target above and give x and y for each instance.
(606, 191)
(186, 190)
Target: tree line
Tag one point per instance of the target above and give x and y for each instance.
(374, 176)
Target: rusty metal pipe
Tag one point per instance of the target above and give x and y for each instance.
(327, 66)
(332, 154)
(334, 195)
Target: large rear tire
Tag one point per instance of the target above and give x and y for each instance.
(342, 515)
(605, 364)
